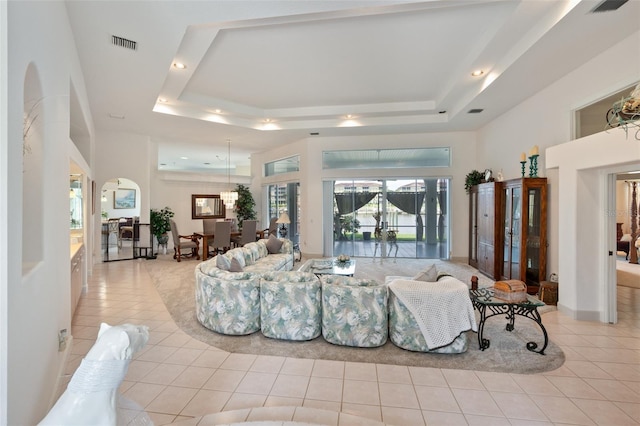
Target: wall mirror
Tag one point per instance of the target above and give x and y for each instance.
(207, 207)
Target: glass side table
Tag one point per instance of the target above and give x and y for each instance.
(488, 306)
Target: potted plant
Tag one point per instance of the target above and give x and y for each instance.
(245, 204)
(474, 177)
(160, 224)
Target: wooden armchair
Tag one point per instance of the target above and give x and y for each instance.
(190, 243)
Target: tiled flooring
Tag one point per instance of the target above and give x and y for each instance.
(179, 379)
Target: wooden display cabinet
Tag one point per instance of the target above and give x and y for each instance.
(485, 228)
(524, 225)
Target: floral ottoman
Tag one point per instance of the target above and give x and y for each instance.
(354, 311)
(290, 306)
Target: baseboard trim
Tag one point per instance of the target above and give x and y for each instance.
(579, 315)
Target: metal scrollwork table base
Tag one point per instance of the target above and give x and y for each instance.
(488, 306)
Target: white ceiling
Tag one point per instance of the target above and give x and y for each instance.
(265, 73)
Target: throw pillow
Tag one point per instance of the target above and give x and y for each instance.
(274, 245)
(223, 262)
(430, 274)
(235, 266)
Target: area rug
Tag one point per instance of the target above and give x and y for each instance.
(507, 352)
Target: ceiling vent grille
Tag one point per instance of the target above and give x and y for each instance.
(475, 111)
(609, 5)
(123, 42)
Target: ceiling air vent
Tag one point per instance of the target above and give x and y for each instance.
(475, 111)
(609, 5)
(123, 42)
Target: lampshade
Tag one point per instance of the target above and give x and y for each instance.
(284, 218)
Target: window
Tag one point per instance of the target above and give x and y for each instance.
(387, 158)
(286, 165)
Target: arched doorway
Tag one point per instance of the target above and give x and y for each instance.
(122, 237)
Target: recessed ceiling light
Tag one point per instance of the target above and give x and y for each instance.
(349, 116)
(218, 111)
(184, 158)
(267, 120)
(179, 65)
(162, 100)
(477, 73)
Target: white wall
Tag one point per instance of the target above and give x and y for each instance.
(583, 258)
(4, 223)
(575, 210)
(311, 176)
(39, 301)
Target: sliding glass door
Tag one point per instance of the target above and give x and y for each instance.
(391, 218)
(285, 198)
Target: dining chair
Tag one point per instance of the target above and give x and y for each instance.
(190, 243)
(126, 230)
(272, 229)
(221, 240)
(112, 227)
(208, 226)
(248, 234)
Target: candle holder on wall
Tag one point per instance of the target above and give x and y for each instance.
(522, 163)
(533, 166)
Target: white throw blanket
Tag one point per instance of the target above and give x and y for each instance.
(442, 309)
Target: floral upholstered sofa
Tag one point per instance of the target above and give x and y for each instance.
(227, 288)
(430, 312)
(290, 305)
(354, 311)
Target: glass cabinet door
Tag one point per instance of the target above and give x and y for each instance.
(512, 217)
(533, 235)
(473, 228)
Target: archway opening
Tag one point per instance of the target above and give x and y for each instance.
(123, 237)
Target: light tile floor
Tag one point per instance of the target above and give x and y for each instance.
(181, 380)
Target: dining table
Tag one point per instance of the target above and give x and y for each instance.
(205, 240)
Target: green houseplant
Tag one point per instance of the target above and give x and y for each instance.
(474, 177)
(245, 204)
(160, 223)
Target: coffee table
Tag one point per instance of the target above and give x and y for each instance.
(488, 305)
(329, 266)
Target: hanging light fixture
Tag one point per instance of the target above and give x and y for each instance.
(229, 197)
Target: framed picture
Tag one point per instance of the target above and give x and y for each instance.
(124, 198)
